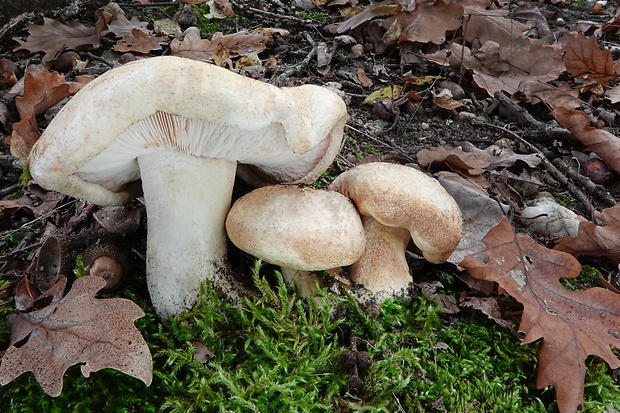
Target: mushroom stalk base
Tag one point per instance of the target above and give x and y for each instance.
(187, 199)
(383, 267)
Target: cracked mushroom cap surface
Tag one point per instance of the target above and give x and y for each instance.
(401, 196)
(90, 148)
(298, 227)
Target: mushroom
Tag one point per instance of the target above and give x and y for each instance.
(300, 228)
(181, 126)
(398, 203)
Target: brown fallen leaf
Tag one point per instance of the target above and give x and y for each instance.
(236, 44)
(584, 58)
(76, 329)
(527, 59)
(592, 239)
(571, 324)
(492, 25)
(606, 145)
(362, 77)
(428, 22)
(54, 37)
(137, 42)
(120, 26)
(444, 100)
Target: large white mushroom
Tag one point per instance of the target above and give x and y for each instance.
(398, 203)
(181, 126)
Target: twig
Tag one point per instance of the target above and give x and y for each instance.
(166, 3)
(8, 190)
(557, 174)
(98, 58)
(296, 68)
(7, 234)
(272, 14)
(25, 248)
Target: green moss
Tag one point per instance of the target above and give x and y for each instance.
(281, 354)
(589, 277)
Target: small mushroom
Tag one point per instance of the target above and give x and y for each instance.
(180, 127)
(300, 228)
(546, 218)
(398, 203)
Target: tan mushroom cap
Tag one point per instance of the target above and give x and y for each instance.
(298, 227)
(397, 195)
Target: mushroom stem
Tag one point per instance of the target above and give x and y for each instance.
(383, 266)
(304, 282)
(187, 199)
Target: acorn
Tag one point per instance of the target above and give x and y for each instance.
(66, 62)
(386, 109)
(126, 58)
(108, 259)
(55, 260)
(8, 72)
(597, 171)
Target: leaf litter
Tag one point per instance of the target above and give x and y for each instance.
(494, 50)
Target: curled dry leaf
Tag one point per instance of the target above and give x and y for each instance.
(601, 142)
(480, 213)
(563, 95)
(500, 157)
(456, 159)
(54, 37)
(592, 239)
(572, 324)
(77, 329)
(42, 90)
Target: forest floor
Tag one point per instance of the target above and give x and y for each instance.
(474, 100)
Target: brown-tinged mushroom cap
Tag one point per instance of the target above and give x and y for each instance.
(400, 196)
(180, 126)
(297, 227)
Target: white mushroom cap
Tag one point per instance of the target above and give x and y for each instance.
(181, 126)
(89, 151)
(400, 196)
(298, 227)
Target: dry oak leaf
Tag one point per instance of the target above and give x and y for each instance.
(605, 144)
(529, 59)
(76, 329)
(54, 37)
(236, 44)
(591, 239)
(120, 26)
(42, 90)
(428, 22)
(584, 58)
(137, 42)
(491, 25)
(571, 324)
(456, 159)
